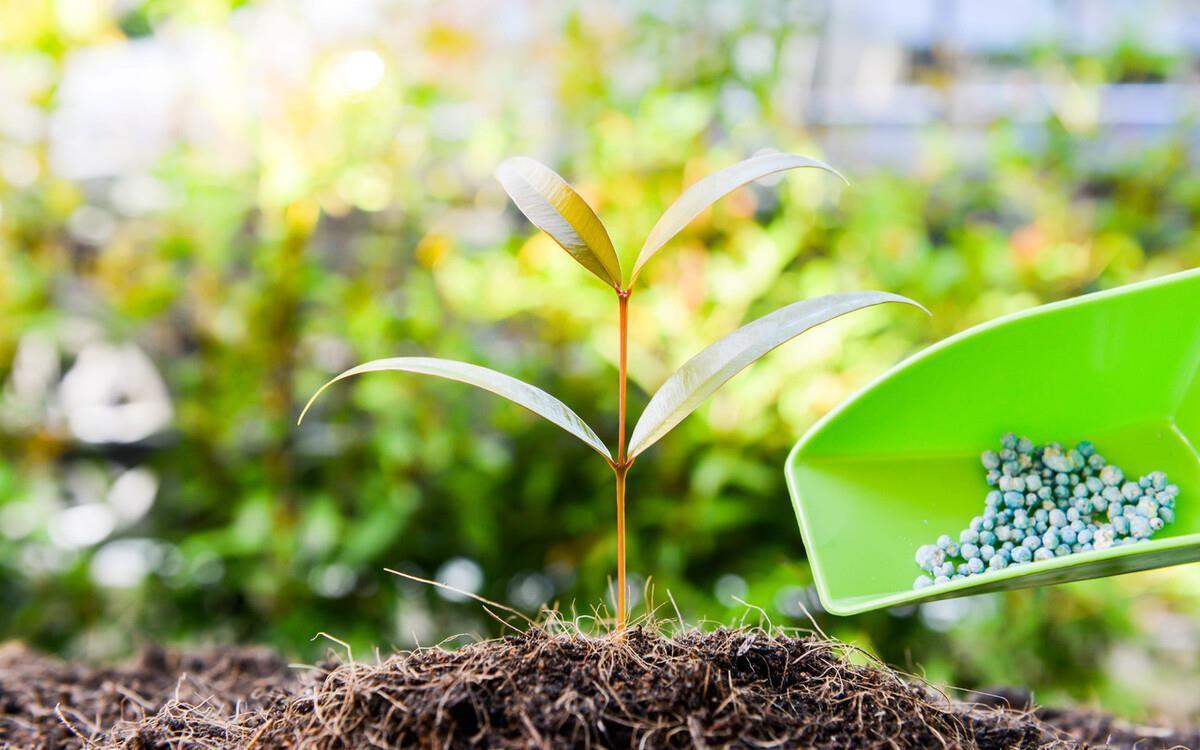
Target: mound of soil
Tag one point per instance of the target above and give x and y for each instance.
(724, 689)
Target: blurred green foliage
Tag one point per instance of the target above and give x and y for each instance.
(325, 198)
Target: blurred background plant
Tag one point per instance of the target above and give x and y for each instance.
(207, 207)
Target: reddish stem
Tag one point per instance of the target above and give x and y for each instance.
(623, 334)
(622, 465)
(622, 607)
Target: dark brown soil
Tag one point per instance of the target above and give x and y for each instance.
(47, 704)
(725, 689)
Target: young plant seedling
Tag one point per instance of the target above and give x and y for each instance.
(552, 205)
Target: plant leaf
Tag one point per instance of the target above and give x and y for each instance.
(554, 207)
(532, 398)
(704, 373)
(709, 190)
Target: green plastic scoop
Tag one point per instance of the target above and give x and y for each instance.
(898, 463)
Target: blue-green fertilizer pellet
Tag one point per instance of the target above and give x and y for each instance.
(1048, 501)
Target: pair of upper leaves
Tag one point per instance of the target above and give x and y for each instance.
(551, 204)
(554, 206)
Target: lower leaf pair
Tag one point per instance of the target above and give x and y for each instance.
(678, 397)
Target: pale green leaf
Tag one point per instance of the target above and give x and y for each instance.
(554, 207)
(534, 399)
(704, 373)
(710, 189)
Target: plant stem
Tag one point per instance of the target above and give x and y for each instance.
(622, 609)
(622, 466)
(623, 337)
